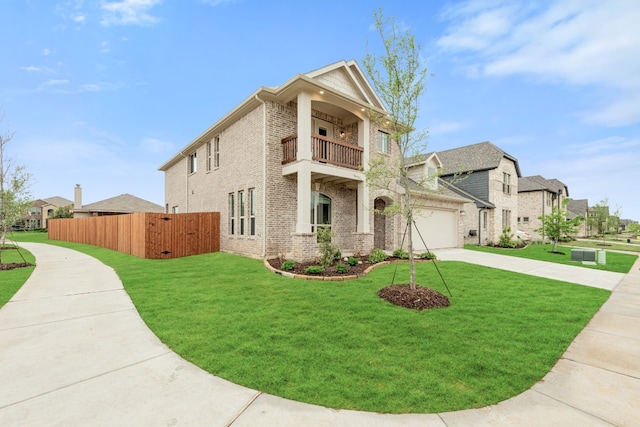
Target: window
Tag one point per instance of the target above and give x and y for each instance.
(216, 152)
(193, 164)
(174, 209)
(208, 156)
(506, 218)
(383, 142)
(252, 211)
(232, 213)
(320, 210)
(525, 219)
(506, 183)
(241, 211)
(485, 219)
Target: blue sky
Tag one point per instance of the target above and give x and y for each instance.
(101, 93)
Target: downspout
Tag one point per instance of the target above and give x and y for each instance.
(480, 210)
(543, 194)
(264, 176)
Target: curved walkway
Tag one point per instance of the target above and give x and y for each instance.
(74, 351)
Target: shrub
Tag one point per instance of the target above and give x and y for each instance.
(428, 255)
(401, 253)
(328, 251)
(314, 269)
(288, 265)
(342, 268)
(352, 261)
(377, 256)
(506, 239)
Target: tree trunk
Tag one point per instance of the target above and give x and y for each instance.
(412, 264)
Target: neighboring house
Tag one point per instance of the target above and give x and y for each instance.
(291, 158)
(537, 197)
(123, 204)
(488, 176)
(579, 208)
(42, 209)
(598, 221)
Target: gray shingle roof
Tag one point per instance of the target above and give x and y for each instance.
(577, 207)
(537, 183)
(124, 203)
(475, 157)
(58, 201)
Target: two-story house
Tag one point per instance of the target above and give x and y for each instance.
(290, 159)
(488, 176)
(579, 207)
(537, 197)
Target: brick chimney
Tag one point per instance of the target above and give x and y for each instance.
(77, 197)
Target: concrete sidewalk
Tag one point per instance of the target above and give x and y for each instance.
(74, 351)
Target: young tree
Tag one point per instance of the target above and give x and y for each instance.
(399, 77)
(557, 225)
(15, 198)
(599, 217)
(62, 212)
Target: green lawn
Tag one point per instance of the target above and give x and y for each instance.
(336, 344)
(609, 245)
(12, 280)
(616, 262)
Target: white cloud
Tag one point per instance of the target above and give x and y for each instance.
(440, 127)
(577, 42)
(31, 69)
(128, 12)
(156, 146)
(56, 82)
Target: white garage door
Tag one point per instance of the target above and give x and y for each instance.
(439, 229)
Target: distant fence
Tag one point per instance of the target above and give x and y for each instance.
(145, 235)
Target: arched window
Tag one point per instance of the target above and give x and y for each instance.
(320, 210)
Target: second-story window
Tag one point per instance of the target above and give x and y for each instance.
(506, 183)
(193, 163)
(383, 142)
(216, 152)
(208, 156)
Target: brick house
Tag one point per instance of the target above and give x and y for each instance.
(487, 176)
(42, 209)
(118, 205)
(576, 208)
(537, 197)
(291, 158)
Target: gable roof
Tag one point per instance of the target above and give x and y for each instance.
(57, 201)
(343, 83)
(473, 158)
(124, 203)
(538, 183)
(577, 207)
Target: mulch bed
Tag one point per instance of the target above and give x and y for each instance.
(12, 265)
(420, 298)
(330, 271)
(401, 295)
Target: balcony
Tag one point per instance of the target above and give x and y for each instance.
(324, 150)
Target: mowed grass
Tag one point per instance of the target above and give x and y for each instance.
(336, 344)
(12, 280)
(616, 262)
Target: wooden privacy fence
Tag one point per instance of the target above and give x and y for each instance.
(145, 234)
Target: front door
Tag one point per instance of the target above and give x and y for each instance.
(323, 128)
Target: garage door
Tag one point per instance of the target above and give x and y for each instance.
(439, 229)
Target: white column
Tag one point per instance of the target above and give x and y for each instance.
(363, 208)
(304, 126)
(363, 188)
(304, 198)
